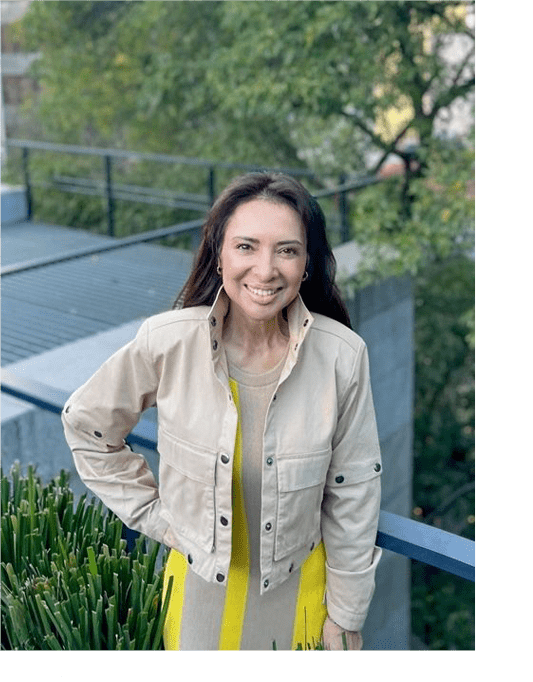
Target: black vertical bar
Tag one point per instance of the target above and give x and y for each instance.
(27, 180)
(110, 201)
(211, 185)
(343, 211)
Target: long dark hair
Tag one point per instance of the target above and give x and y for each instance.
(319, 292)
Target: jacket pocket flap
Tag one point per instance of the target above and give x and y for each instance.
(356, 472)
(190, 460)
(296, 473)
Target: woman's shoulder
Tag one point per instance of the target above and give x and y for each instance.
(334, 331)
(176, 318)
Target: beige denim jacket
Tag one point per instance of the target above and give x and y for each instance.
(321, 465)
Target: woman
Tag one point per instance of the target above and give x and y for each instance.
(269, 478)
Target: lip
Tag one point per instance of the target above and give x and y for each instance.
(263, 293)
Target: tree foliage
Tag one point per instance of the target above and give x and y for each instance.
(315, 84)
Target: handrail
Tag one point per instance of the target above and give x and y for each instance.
(413, 539)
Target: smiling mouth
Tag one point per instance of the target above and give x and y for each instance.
(265, 293)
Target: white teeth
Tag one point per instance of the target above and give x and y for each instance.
(262, 292)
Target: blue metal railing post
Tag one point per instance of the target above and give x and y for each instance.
(109, 194)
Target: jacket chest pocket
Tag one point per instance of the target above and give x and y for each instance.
(301, 482)
(187, 489)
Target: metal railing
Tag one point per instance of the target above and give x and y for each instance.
(111, 191)
(413, 539)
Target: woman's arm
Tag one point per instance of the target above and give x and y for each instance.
(98, 417)
(350, 508)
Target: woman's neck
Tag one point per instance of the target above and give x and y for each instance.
(255, 345)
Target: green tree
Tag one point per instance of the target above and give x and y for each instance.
(277, 83)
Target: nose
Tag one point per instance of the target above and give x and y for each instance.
(265, 266)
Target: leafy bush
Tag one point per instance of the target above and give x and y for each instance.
(67, 580)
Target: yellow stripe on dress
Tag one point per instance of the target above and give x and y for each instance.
(177, 567)
(310, 608)
(237, 587)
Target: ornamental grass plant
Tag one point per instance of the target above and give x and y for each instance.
(68, 582)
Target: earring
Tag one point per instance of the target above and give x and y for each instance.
(219, 271)
(305, 277)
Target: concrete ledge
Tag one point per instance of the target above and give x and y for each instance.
(13, 206)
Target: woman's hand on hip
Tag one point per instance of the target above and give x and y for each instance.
(333, 639)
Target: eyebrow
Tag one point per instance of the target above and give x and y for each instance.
(256, 241)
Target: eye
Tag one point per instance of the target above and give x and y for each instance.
(289, 251)
(243, 247)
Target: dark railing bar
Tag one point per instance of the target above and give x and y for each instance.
(92, 250)
(147, 156)
(27, 182)
(413, 539)
(109, 196)
(359, 183)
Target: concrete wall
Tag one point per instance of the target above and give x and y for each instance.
(384, 316)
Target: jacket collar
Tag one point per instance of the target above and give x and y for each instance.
(298, 316)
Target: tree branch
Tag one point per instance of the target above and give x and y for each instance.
(362, 126)
(452, 94)
(391, 148)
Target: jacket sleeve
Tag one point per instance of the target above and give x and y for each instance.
(98, 417)
(350, 508)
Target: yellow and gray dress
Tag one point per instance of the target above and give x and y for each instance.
(209, 616)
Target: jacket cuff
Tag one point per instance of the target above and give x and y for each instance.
(348, 594)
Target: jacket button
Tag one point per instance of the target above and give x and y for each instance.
(296, 347)
(215, 344)
(270, 461)
(98, 434)
(220, 577)
(377, 467)
(268, 526)
(339, 479)
(224, 459)
(189, 558)
(274, 397)
(291, 567)
(67, 408)
(305, 323)
(223, 520)
(312, 547)
(265, 584)
(213, 321)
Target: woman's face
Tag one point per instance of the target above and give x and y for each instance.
(263, 258)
